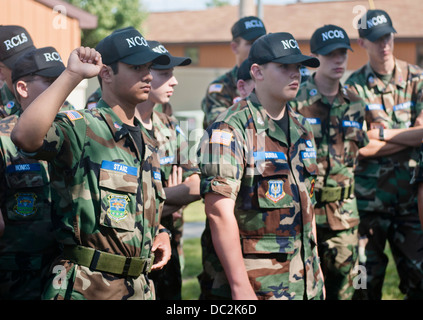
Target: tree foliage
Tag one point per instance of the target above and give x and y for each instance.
(217, 3)
(112, 15)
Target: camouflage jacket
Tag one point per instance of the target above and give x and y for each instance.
(221, 94)
(338, 133)
(25, 201)
(247, 157)
(394, 106)
(106, 197)
(173, 150)
(8, 103)
(93, 99)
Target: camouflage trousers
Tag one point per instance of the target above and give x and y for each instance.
(338, 251)
(405, 237)
(70, 281)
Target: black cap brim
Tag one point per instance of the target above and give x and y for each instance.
(10, 62)
(299, 58)
(380, 32)
(254, 34)
(141, 58)
(328, 49)
(174, 62)
(53, 72)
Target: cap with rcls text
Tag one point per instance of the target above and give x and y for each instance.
(14, 41)
(375, 24)
(128, 46)
(248, 28)
(329, 38)
(44, 62)
(279, 47)
(174, 61)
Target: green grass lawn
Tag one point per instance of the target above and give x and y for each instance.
(192, 251)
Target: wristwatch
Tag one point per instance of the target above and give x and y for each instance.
(167, 231)
(381, 133)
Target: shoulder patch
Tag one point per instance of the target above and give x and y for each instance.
(221, 137)
(72, 115)
(215, 87)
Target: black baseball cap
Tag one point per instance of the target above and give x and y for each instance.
(44, 62)
(377, 24)
(174, 61)
(128, 46)
(14, 41)
(248, 28)
(280, 47)
(329, 38)
(244, 70)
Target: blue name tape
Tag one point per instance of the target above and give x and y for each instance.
(23, 167)
(119, 167)
(269, 155)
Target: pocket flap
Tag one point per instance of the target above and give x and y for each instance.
(119, 177)
(267, 244)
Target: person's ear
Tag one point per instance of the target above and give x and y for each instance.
(234, 47)
(106, 74)
(21, 88)
(256, 71)
(361, 43)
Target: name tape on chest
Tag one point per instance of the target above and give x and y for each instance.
(119, 167)
(269, 155)
(26, 167)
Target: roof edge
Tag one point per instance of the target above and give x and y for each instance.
(86, 19)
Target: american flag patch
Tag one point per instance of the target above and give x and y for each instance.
(72, 115)
(221, 137)
(216, 87)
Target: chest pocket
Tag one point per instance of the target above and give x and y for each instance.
(29, 192)
(353, 135)
(316, 125)
(118, 190)
(402, 113)
(273, 186)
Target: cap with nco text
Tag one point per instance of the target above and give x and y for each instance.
(248, 28)
(174, 61)
(329, 38)
(127, 45)
(44, 62)
(280, 47)
(375, 24)
(14, 41)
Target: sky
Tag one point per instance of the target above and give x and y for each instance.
(177, 5)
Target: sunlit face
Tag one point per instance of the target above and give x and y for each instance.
(281, 81)
(380, 50)
(334, 64)
(162, 86)
(132, 83)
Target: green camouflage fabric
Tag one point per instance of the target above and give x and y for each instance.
(28, 244)
(383, 190)
(338, 133)
(105, 196)
(93, 99)
(221, 94)
(247, 157)
(173, 150)
(9, 104)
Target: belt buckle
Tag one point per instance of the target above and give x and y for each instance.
(147, 266)
(126, 266)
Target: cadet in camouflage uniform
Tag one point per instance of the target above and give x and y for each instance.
(107, 191)
(386, 200)
(336, 116)
(222, 92)
(28, 245)
(14, 42)
(173, 151)
(258, 165)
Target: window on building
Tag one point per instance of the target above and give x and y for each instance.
(194, 54)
